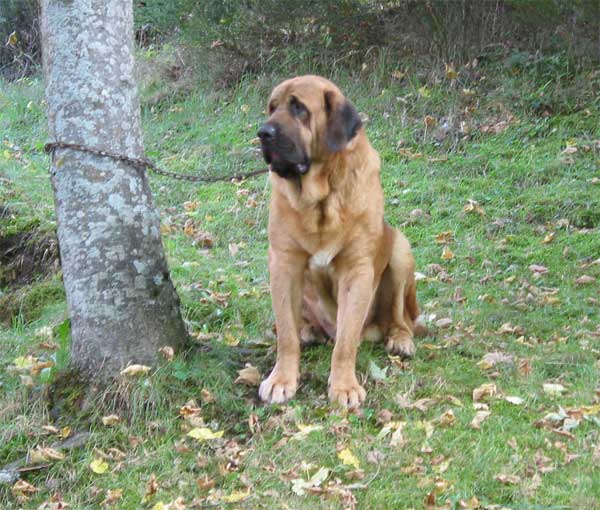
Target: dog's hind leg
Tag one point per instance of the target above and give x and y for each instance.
(404, 310)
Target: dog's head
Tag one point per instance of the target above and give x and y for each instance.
(309, 120)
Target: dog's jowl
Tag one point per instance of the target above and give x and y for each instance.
(337, 270)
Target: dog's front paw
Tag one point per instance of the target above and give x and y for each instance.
(279, 387)
(345, 391)
(400, 343)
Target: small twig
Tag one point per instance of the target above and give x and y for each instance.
(10, 473)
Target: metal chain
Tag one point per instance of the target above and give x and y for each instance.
(144, 162)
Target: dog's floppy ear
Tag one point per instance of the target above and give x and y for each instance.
(343, 121)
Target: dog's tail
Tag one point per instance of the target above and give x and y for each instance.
(412, 308)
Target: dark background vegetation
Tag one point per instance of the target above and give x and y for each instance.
(256, 36)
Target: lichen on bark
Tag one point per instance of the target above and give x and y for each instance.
(122, 302)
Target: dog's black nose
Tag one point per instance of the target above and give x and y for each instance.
(267, 132)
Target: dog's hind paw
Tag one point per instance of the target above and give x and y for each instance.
(400, 343)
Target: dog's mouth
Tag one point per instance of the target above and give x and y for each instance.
(287, 162)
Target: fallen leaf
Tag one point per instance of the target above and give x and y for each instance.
(447, 254)
(235, 497)
(348, 458)
(443, 323)
(299, 485)
(508, 479)
(451, 73)
(133, 370)
(447, 418)
(473, 206)
(249, 376)
(305, 430)
(204, 434)
(23, 489)
(479, 418)
(151, 486)
(168, 352)
(110, 420)
(585, 279)
(484, 391)
(516, 401)
(548, 238)
(554, 390)
(376, 373)
(112, 496)
(491, 359)
(424, 92)
(537, 269)
(99, 466)
(45, 454)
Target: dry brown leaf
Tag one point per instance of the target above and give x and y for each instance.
(508, 479)
(473, 206)
(112, 496)
(585, 279)
(43, 454)
(538, 269)
(447, 254)
(484, 391)
(479, 418)
(491, 359)
(249, 376)
(444, 237)
(168, 352)
(22, 489)
(447, 418)
(443, 323)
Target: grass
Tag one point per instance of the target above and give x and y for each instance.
(538, 204)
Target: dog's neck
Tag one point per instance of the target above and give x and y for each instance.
(329, 175)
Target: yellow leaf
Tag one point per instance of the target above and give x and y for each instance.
(348, 458)
(451, 73)
(133, 370)
(424, 92)
(99, 466)
(24, 362)
(304, 430)
(12, 39)
(110, 420)
(205, 434)
(235, 497)
(447, 254)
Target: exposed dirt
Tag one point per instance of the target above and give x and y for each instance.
(26, 256)
(28, 260)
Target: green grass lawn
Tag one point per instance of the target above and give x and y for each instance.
(500, 198)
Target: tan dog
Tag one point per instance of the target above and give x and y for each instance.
(336, 268)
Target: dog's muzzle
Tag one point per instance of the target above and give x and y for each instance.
(281, 153)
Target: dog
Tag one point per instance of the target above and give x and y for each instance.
(337, 269)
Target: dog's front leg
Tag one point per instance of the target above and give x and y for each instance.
(286, 270)
(355, 293)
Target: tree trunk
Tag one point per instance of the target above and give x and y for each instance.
(121, 300)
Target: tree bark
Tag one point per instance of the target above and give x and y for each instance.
(121, 300)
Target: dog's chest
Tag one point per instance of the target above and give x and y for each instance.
(323, 257)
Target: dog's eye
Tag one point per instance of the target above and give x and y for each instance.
(272, 108)
(298, 109)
